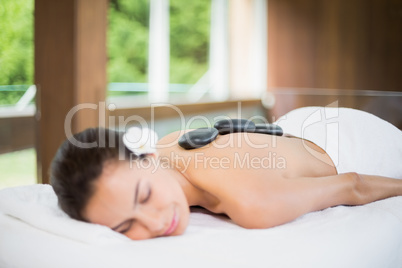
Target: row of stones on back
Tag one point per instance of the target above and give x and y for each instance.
(202, 136)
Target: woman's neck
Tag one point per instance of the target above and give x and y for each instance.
(193, 194)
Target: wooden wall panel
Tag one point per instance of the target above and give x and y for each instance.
(334, 45)
(17, 133)
(70, 69)
(339, 44)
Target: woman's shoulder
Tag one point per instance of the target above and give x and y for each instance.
(172, 138)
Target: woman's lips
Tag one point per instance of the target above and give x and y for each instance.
(173, 224)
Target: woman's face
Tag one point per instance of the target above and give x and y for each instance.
(139, 202)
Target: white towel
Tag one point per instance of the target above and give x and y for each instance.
(37, 206)
(355, 140)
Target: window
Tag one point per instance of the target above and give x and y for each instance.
(186, 51)
(16, 50)
(157, 49)
(16, 94)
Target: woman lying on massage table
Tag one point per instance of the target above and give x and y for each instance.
(257, 180)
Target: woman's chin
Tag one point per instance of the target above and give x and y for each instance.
(183, 223)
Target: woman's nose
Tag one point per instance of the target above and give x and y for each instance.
(152, 220)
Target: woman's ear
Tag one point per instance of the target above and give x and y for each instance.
(154, 155)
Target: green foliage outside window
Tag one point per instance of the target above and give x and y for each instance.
(127, 43)
(189, 40)
(16, 47)
(128, 40)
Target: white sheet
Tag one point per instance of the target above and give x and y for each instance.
(363, 236)
(37, 206)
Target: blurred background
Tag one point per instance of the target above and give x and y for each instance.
(168, 61)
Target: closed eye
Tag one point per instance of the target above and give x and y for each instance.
(148, 196)
(125, 230)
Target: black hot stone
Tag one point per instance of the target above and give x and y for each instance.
(268, 129)
(227, 126)
(198, 138)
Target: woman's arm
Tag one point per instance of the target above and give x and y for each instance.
(292, 198)
(369, 188)
(348, 189)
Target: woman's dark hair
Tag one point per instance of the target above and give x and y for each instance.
(79, 162)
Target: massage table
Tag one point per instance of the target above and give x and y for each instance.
(34, 232)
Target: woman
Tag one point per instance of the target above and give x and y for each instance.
(257, 180)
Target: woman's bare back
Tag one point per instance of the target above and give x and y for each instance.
(241, 171)
(251, 154)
